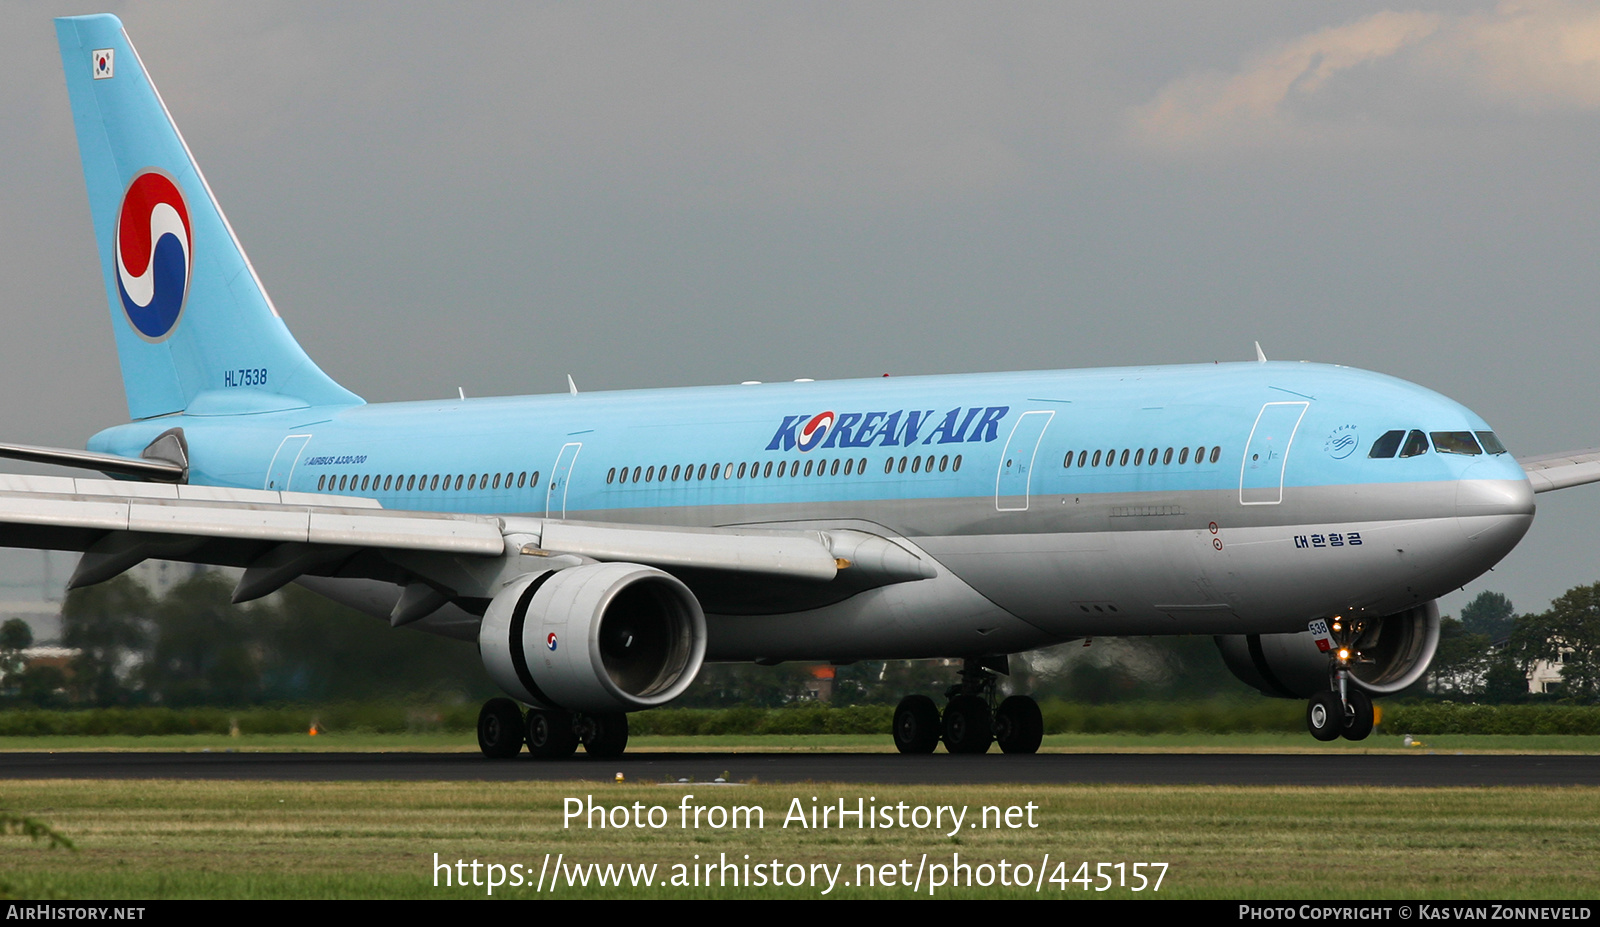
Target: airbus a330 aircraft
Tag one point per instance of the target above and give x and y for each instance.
(1307, 516)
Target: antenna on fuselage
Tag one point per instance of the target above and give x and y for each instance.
(1261, 355)
(462, 392)
(571, 386)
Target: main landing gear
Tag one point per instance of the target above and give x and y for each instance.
(502, 731)
(970, 722)
(1345, 709)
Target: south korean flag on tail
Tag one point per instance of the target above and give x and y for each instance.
(1319, 633)
(101, 61)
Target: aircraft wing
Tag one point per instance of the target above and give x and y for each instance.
(279, 536)
(1559, 471)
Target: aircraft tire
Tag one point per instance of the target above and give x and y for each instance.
(500, 729)
(967, 725)
(1018, 725)
(1359, 716)
(550, 734)
(604, 736)
(916, 725)
(1325, 716)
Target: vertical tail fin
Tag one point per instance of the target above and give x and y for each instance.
(195, 330)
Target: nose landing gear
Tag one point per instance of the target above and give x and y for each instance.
(1345, 710)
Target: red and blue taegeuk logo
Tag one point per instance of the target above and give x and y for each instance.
(154, 254)
(812, 432)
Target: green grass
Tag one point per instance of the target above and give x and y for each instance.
(463, 741)
(165, 839)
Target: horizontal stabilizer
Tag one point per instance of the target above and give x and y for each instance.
(164, 471)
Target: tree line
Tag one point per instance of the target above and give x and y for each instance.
(193, 647)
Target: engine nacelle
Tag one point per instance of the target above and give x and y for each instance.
(596, 638)
(1393, 653)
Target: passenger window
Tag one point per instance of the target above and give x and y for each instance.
(1096, 459)
(1084, 455)
(1491, 443)
(1416, 443)
(611, 475)
(1138, 457)
(1215, 453)
(533, 480)
(458, 482)
(1167, 458)
(1456, 442)
(1384, 447)
(1068, 461)
(916, 464)
(741, 469)
(944, 462)
(1183, 456)
(1124, 461)
(473, 482)
(321, 481)
(955, 465)
(768, 471)
(702, 474)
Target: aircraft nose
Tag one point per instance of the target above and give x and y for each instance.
(1486, 488)
(1495, 508)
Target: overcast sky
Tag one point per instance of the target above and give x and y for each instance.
(493, 196)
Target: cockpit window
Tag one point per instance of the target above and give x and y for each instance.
(1456, 442)
(1385, 446)
(1491, 443)
(1416, 443)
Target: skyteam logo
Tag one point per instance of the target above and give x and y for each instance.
(810, 434)
(154, 254)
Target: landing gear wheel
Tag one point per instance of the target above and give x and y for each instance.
(1358, 715)
(1018, 725)
(603, 736)
(916, 725)
(1325, 716)
(500, 729)
(550, 734)
(967, 726)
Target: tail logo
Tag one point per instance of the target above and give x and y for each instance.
(154, 254)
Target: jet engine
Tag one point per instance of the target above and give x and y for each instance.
(1389, 654)
(602, 637)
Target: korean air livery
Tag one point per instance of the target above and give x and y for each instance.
(600, 547)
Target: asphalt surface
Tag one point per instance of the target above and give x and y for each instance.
(1341, 769)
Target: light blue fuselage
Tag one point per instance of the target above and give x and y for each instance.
(1292, 519)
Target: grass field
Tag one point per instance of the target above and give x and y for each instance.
(165, 839)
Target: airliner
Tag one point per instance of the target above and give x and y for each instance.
(601, 546)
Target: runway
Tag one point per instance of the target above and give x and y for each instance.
(1248, 769)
